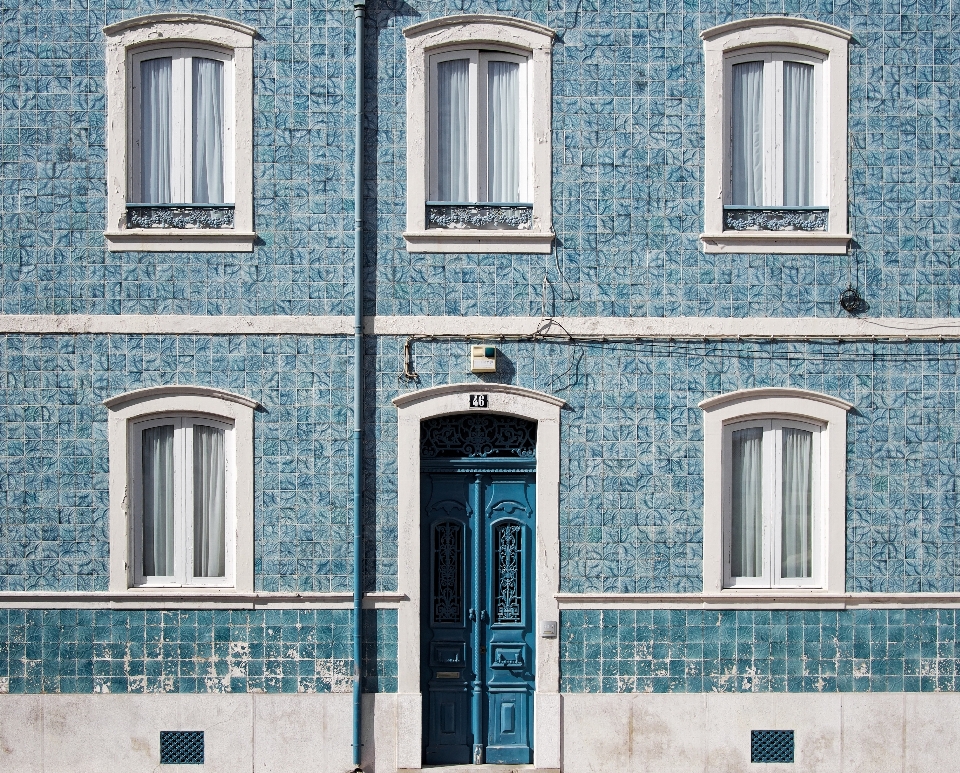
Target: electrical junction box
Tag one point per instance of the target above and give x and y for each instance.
(483, 359)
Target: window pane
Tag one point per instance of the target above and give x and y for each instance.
(797, 539)
(207, 131)
(453, 93)
(797, 134)
(748, 134)
(155, 130)
(209, 492)
(503, 131)
(746, 550)
(157, 468)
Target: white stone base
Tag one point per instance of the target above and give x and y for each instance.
(875, 732)
(853, 732)
(250, 732)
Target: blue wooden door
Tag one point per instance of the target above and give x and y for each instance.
(477, 614)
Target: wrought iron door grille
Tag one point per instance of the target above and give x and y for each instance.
(181, 747)
(771, 746)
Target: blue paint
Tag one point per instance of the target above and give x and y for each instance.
(478, 647)
(359, 13)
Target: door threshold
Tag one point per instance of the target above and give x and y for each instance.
(495, 768)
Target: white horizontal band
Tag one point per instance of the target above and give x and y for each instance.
(794, 328)
(207, 599)
(192, 599)
(758, 600)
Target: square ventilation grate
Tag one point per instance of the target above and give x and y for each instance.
(181, 747)
(771, 746)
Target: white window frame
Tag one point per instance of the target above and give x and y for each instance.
(132, 412)
(479, 60)
(787, 407)
(770, 576)
(792, 38)
(476, 36)
(127, 42)
(183, 568)
(181, 162)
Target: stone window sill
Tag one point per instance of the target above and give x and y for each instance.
(180, 240)
(467, 240)
(776, 242)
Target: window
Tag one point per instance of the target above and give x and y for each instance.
(182, 126)
(774, 491)
(478, 136)
(181, 490)
(183, 475)
(775, 156)
(771, 494)
(776, 159)
(180, 164)
(479, 119)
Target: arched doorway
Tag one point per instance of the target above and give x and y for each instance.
(413, 409)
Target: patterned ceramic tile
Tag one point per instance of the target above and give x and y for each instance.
(754, 651)
(627, 167)
(117, 651)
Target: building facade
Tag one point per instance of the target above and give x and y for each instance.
(659, 402)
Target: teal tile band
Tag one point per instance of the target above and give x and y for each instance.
(120, 651)
(693, 651)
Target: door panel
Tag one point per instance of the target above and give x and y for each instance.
(446, 525)
(478, 613)
(510, 535)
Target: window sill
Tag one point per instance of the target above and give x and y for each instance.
(776, 242)
(455, 240)
(180, 240)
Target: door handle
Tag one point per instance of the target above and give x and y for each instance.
(472, 615)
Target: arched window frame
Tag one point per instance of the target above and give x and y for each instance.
(189, 229)
(128, 414)
(777, 406)
(784, 36)
(473, 35)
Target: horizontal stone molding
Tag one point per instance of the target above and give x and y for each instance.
(732, 599)
(200, 599)
(174, 324)
(693, 328)
(211, 599)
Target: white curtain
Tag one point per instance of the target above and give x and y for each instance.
(209, 473)
(797, 539)
(155, 130)
(748, 134)
(503, 131)
(453, 94)
(157, 460)
(207, 131)
(797, 134)
(746, 555)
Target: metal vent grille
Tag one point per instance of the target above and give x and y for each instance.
(181, 747)
(771, 746)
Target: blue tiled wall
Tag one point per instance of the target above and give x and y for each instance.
(632, 455)
(631, 474)
(118, 651)
(627, 163)
(54, 451)
(754, 651)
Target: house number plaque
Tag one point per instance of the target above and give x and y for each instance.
(478, 401)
